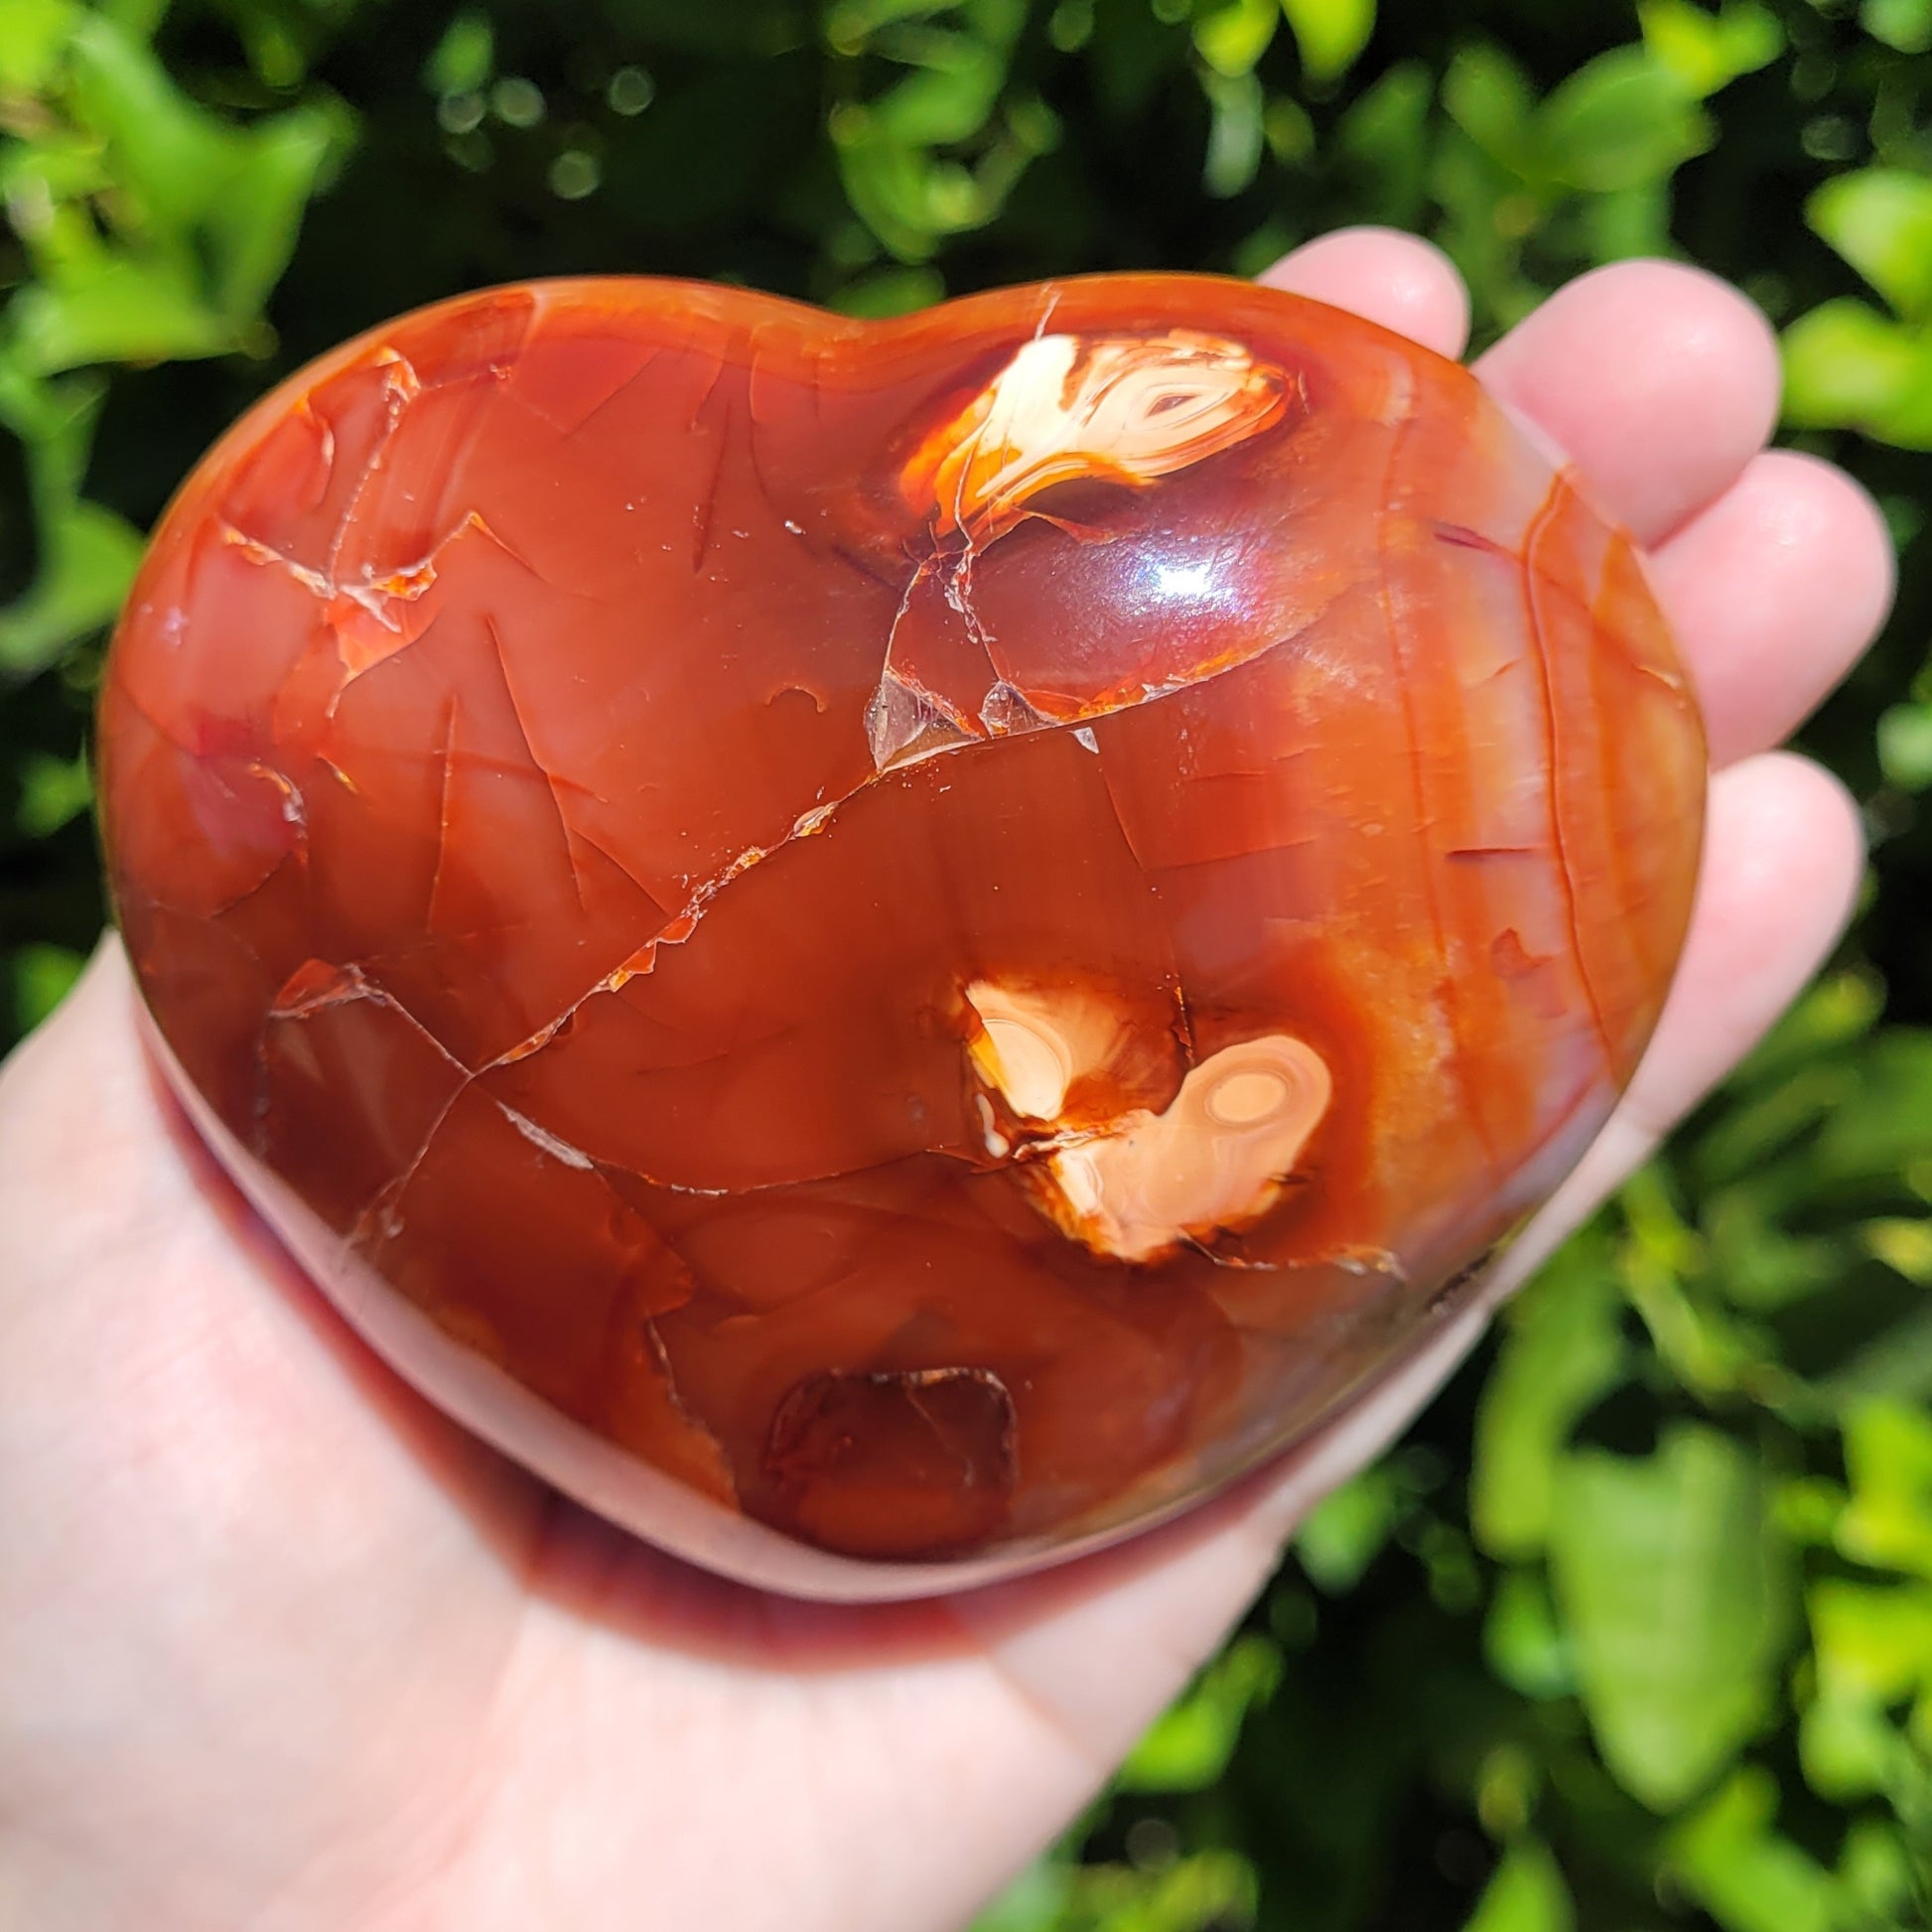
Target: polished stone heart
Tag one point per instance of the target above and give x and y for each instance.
(888, 950)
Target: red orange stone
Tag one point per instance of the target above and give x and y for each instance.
(888, 950)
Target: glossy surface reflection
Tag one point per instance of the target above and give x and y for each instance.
(889, 948)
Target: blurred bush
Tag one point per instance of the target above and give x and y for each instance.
(1635, 1630)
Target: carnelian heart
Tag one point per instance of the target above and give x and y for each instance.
(887, 949)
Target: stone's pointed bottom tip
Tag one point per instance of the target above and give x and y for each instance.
(892, 950)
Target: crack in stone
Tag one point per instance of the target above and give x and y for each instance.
(376, 1222)
(296, 855)
(661, 1356)
(316, 582)
(1448, 996)
(351, 985)
(684, 922)
(1184, 1021)
(537, 765)
(623, 388)
(1358, 1261)
(1540, 648)
(377, 598)
(1006, 713)
(1006, 700)
(907, 724)
(401, 387)
(442, 814)
(704, 508)
(718, 365)
(375, 1219)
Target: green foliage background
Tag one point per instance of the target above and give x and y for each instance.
(1635, 1630)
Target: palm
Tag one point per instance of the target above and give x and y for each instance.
(288, 1650)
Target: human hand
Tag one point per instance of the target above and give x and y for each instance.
(285, 1649)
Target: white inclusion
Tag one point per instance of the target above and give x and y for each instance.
(543, 1137)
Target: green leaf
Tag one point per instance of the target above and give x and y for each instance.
(951, 100)
(255, 231)
(54, 167)
(936, 153)
(1486, 95)
(1750, 1878)
(137, 19)
(1873, 1640)
(1837, 1012)
(891, 292)
(1674, 1587)
(1889, 1358)
(464, 58)
(1235, 132)
(33, 37)
(1661, 1267)
(1887, 1521)
(1903, 1243)
(1563, 1353)
(52, 792)
(1289, 129)
(1524, 1643)
(1346, 1531)
(1622, 121)
(87, 554)
(851, 23)
(179, 159)
(88, 560)
(1627, 222)
(1905, 25)
(1330, 35)
(1035, 1901)
(122, 310)
(43, 976)
(1846, 366)
(1875, 1876)
(1891, 1127)
(1508, 1779)
(893, 190)
(1873, 1656)
(1235, 35)
(1384, 135)
(1755, 1263)
(1881, 220)
(1189, 1747)
(1905, 745)
(1526, 1893)
(1705, 51)
(1849, 1747)
(1206, 1892)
